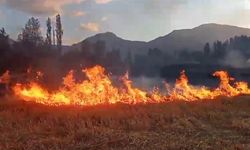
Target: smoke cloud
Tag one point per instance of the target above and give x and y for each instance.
(235, 59)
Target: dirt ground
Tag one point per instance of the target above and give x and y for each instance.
(208, 124)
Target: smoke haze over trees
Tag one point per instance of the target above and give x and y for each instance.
(31, 50)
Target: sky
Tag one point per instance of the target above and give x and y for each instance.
(142, 20)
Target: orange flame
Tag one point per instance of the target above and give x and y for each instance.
(184, 91)
(226, 89)
(5, 78)
(98, 89)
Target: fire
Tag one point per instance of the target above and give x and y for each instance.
(5, 78)
(33, 90)
(133, 95)
(98, 89)
(228, 90)
(184, 91)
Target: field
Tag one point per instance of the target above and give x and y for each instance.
(210, 124)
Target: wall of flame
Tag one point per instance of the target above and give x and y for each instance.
(98, 89)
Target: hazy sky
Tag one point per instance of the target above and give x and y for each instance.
(129, 19)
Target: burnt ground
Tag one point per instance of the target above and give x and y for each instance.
(210, 124)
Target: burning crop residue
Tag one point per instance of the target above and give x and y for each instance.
(98, 89)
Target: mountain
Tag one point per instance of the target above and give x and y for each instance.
(195, 39)
(112, 42)
(190, 39)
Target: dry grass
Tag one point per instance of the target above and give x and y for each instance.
(220, 124)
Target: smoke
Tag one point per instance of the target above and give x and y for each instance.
(236, 59)
(148, 83)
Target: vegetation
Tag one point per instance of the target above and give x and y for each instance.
(217, 124)
(46, 54)
(59, 32)
(49, 33)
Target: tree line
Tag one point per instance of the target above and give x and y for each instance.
(31, 49)
(31, 33)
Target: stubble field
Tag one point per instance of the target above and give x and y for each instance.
(208, 124)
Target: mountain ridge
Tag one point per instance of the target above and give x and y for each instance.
(190, 39)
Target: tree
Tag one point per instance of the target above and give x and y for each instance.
(49, 35)
(155, 52)
(59, 32)
(54, 36)
(31, 33)
(4, 43)
(207, 49)
(4, 39)
(219, 49)
(3, 34)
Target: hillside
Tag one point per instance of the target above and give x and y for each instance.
(114, 42)
(195, 39)
(190, 39)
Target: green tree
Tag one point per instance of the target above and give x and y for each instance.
(31, 33)
(59, 32)
(48, 34)
(4, 42)
(220, 49)
(207, 49)
(4, 39)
